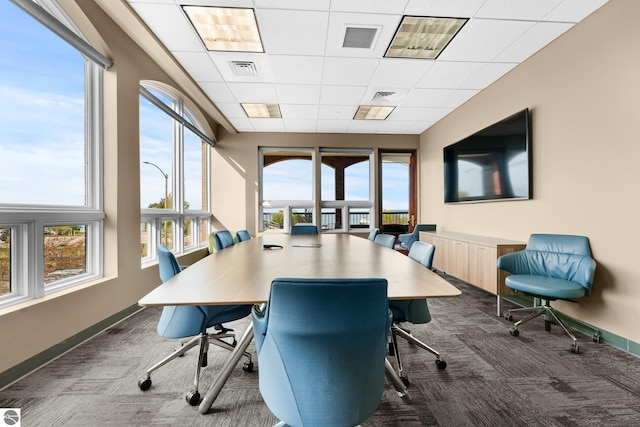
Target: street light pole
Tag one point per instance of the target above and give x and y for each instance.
(166, 182)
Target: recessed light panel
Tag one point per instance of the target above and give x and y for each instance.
(256, 111)
(423, 37)
(368, 112)
(226, 29)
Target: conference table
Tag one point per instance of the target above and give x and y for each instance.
(242, 274)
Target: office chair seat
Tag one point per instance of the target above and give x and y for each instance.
(177, 322)
(545, 287)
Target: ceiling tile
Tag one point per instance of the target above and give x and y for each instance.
(394, 72)
(218, 92)
(299, 111)
(336, 112)
(487, 75)
(333, 126)
(294, 4)
(509, 9)
(449, 74)
(364, 126)
(255, 93)
(295, 69)
(444, 8)
(482, 40)
(231, 110)
(369, 6)
(179, 36)
(298, 94)
(300, 125)
(223, 62)
(574, 10)
(284, 31)
(267, 125)
(199, 66)
(341, 95)
(349, 71)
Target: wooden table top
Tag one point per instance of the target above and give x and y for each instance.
(242, 274)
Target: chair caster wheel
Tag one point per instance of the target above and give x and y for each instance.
(247, 367)
(405, 381)
(508, 317)
(193, 398)
(575, 348)
(514, 332)
(596, 338)
(144, 383)
(441, 364)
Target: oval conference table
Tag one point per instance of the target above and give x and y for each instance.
(242, 274)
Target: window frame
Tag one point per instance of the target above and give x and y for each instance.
(27, 221)
(177, 214)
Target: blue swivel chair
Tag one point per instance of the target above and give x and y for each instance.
(406, 240)
(321, 347)
(304, 229)
(414, 311)
(192, 322)
(218, 240)
(551, 267)
(373, 233)
(388, 240)
(243, 236)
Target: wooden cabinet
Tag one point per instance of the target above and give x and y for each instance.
(472, 258)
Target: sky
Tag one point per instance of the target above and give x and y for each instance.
(42, 114)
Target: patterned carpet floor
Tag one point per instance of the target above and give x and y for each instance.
(492, 378)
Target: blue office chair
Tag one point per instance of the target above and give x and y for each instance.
(388, 240)
(304, 229)
(321, 347)
(406, 240)
(218, 240)
(551, 267)
(243, 236)
(193, 321)
(373, 233)
(414, 311)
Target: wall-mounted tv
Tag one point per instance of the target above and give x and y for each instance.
(492, 164)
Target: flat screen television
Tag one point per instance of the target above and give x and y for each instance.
(492, 164)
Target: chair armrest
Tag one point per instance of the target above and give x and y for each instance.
(260, 317)
(514, 263)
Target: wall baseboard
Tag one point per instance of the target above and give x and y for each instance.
(13, 374)
(603, 336)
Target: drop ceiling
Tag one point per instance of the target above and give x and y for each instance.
(319, 84)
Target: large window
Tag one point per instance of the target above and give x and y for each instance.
(50, 145)
(174, 174)
(288, 191)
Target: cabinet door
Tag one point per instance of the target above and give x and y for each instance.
(440, 254)
(458, 259)
(482, 262)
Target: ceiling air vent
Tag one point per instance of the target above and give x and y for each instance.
(383, 96)
(243, 68)
(359, 37)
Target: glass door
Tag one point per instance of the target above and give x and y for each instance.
(398, 191)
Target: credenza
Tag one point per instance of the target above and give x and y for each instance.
(472, 258)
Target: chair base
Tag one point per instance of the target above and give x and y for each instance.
(203, 341)
(549, 316)
(398, 331)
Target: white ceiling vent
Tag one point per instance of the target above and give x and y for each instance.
(243, 68)
(383, 96)
(359, 37)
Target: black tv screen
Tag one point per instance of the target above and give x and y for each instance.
(492, 164)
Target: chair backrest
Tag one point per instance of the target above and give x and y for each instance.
(321, 347)
(373, 233)
(415, 310)
(388, 240)
(304, 229)
(422, 252)
(561, 256)
(243, 236)
(223, 239)
(177, 321)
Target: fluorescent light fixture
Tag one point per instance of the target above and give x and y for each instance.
(262, 110)
(369, 112)
(226, 28)
(423, 37)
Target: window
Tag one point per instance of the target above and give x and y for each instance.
(286, 188)
(174, 174)
(50, 146)
(288, 191)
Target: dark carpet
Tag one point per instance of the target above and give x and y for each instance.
(492, 378)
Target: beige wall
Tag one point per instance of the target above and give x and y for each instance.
(583, 92)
